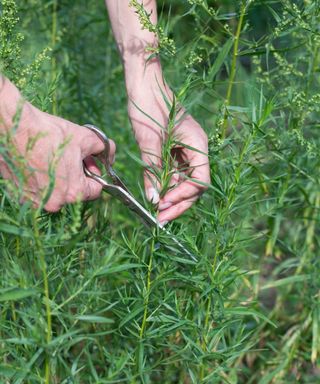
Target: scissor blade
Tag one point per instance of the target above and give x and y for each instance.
(148, 219)
(126, 198)
(179, 244)
(146, 216)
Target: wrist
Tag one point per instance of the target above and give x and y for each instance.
(141, 71)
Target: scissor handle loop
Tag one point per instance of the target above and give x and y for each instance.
(104, 155)
(104, 158)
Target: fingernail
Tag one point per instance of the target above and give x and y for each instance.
(163, 206)
(153, 195)
(164, 223)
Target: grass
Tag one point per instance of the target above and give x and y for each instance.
(88, 295)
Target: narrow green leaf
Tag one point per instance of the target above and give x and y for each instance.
(220, 59)
(131, 315)
(242, 311)
(147, 115)
(13, 294)
(94, 319)
(107, 270)
(286, 280)
(15, 230)
(20, 341)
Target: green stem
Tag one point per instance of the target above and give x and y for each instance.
(207, 318)
(148, 288)
(43, 266)
(233, 69)
(145, 311)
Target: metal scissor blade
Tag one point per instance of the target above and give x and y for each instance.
(145, 216)
(179, 244)
(148, 219)
(126, 198)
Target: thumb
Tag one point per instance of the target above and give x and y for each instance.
(151, 156)
(90, 143)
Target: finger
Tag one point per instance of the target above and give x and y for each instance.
(91, 165)
(174, 180)
(93, 189)
(55, 202)
(95, 146)
(90, 143)
(112, 152)
(82, 187)
(85, 189)
(189, 188)
(151, 156)
(53, 207)
(183, 192)
(175, 211)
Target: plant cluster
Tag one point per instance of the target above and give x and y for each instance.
(88, 295)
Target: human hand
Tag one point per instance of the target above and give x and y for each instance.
(143, 76)
(192, 165)
(56, 142)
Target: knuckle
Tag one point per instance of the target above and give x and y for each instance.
(56, 200)
(96, 191)
(52, 207)
(73, 195)
(93, 191)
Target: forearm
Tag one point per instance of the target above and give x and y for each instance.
(133, 41)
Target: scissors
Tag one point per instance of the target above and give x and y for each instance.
(118, 189)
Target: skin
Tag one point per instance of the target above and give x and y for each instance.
(70, 182)
(143, 79)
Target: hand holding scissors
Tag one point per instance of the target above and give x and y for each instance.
(117, 188)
